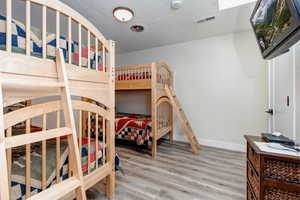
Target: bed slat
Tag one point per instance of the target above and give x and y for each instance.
(79, 46)
(104, 139)
(44, 32)
(8, 25)
(28, 29)
(57, 148)
(28, 162)
(70, 40)
(57, 29)
(97, 139)
(104, 58)
(80, 132)
(96, 53)
(89, 50)
(89, 141)
(44, 154)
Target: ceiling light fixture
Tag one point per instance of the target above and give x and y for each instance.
(123, 14)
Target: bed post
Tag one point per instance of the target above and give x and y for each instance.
(171, 134)
(4, 185)
(154, 109)
(171, 116)
(110, 180)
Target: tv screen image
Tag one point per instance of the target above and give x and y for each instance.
(273, 21)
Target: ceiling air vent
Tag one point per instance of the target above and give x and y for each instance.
(206, 19)
(137, 28)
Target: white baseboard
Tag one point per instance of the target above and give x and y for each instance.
(218, 144)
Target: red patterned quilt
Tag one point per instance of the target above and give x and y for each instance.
(136, 128)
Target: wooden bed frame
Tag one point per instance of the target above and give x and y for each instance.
(24, 77)
(152, 77)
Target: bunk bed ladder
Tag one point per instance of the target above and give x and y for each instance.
(74, 156)
(191, 136)
(74, 183)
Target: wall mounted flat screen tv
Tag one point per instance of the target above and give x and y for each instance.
(276, 24)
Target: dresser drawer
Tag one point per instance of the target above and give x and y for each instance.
(254, 158)
(253, 180)
(272, 193)
(282, 170)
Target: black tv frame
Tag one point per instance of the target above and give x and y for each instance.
(286, 40)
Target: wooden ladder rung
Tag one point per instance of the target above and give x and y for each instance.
(15, 141)
(58, 190)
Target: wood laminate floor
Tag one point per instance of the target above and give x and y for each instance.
(177, 174)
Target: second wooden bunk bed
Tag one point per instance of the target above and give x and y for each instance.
(155, 77)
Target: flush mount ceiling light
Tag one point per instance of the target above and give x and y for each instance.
(123, 14)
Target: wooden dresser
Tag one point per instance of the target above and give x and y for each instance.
(271, 176)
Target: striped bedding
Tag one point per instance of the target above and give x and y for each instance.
(19, 45)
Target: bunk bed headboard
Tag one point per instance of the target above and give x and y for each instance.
(164, 75)
(162, 111)
(28, 71)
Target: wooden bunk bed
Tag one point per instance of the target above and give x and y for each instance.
(158, 78)
(43, 151)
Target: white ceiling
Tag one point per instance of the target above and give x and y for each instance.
(163, 25)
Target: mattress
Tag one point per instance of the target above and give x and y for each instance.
(18, 186)
(19, 44)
